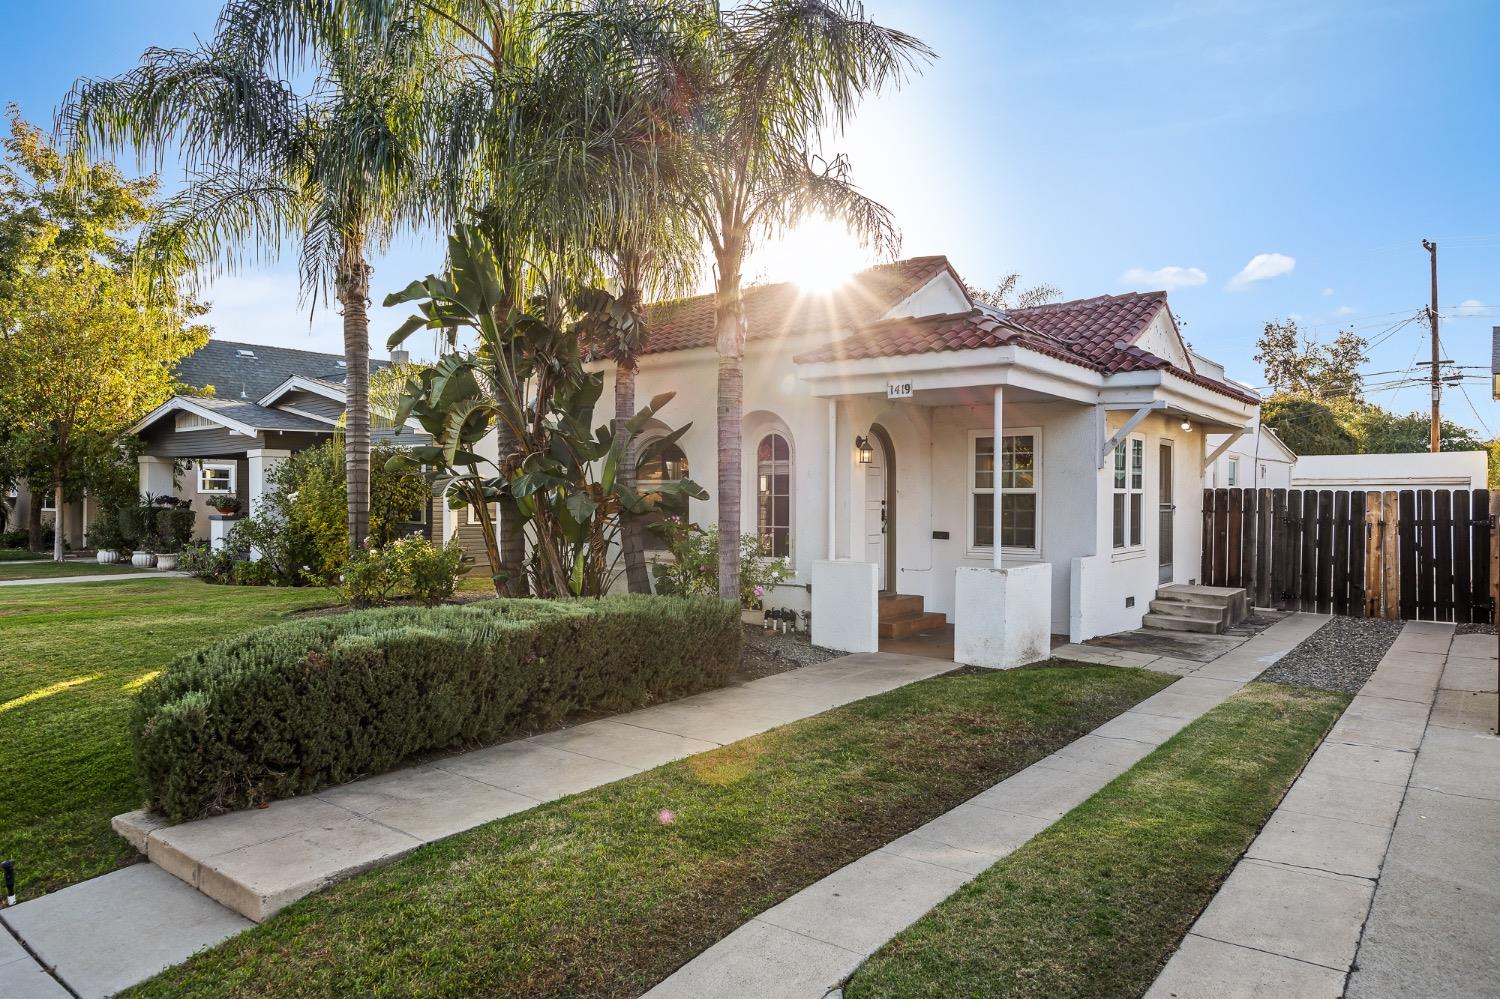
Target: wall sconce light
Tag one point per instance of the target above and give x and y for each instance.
(866, 453)
(1187, 426)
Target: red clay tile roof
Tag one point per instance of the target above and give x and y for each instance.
(782, 309)
(1097, 333)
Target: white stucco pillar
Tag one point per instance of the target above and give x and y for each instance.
(833, 478)
(999, 432)
(262, 462)
(155, 475)
(846, 605)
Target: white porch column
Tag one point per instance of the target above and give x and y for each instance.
(845, 605)
(263, 461)
(999, 431)
(155, 475)
(833, 478)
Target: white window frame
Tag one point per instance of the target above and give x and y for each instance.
(48, 498)
(1232, 478)
(973, 550)
(1135, 496)
(217, 466)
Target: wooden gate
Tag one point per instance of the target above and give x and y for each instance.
(1423, 554)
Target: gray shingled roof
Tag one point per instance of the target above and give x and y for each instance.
(260, 417)
(247, 371)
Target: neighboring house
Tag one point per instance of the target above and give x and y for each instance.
(885, 422)
(1421, 470)
(265, 404)
(1256, 459)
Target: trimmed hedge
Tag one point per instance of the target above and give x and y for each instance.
(299, 706)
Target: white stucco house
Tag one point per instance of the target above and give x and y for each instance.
(1257, 459)
(1026, 473)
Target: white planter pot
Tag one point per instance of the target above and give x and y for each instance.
(142, 560)
(167, 561)
(107, 557)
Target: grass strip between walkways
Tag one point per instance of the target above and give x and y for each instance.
(608, 892)
(1095, 904)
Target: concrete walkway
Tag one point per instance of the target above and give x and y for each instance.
(1287, 921)
(809, 944)
(1434, 928)
(113, 577)
(106, 934)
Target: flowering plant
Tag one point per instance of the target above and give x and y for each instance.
(694, 568)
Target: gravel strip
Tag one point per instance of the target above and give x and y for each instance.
(766, 653)
(1474, 629)
(1341, 655)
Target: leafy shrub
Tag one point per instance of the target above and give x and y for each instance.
(694, 568)
(288, 554)
(198, 559)
(174, 526)
(433, 570)
(411, 564)
(299, 706)
(14, 539)
(105, 535)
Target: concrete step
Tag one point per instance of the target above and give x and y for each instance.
(1172, 622)
(912, 624)
(899, 605)
(1232, 597)
(1186, 608)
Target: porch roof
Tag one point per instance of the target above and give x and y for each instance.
(1095, 333)
(243, 417)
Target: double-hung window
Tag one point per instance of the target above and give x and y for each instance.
(1018, 473)
(1129, 491)
(216, 478)
(773, 494)
(1234, 472)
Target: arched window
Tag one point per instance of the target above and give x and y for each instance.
(773, 493)
(669, 465)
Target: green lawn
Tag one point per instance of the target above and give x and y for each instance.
(1093, 906)
(70, 659)
(604, 894)
(19, 555)
(49, 570)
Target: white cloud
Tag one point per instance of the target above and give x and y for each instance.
(1168, 278)
(1262, 267)
(1344, 310)
(1327, 292)
(1469, 308)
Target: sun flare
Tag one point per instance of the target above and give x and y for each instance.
(819, 254)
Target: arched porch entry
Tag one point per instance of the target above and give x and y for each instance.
(880, 507)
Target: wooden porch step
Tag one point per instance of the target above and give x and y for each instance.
(912, 624)
(898, 605)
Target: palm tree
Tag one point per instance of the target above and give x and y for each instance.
(772, 76)
(338, 170)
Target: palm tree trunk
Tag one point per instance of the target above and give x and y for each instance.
(353, 289)
(632, 534)
(730, 336)
(512, 532)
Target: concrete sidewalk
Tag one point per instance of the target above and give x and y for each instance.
(106, 934)
(810, 943)
(1435, 922)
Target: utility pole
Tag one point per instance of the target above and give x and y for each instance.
(1434, 434)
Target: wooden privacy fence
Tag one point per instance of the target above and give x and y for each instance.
(1417, 554)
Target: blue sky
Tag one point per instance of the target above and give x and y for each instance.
(1097, 146)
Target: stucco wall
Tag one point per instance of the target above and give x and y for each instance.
(1448, 469)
